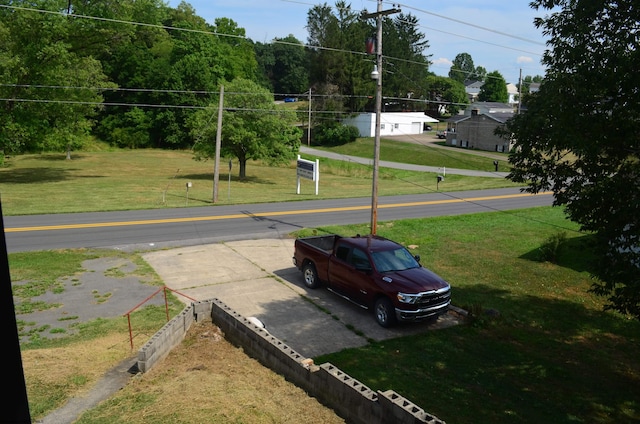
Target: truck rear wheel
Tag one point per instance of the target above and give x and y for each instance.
(384, 312)
(310, 275)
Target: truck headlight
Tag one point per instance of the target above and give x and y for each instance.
(407, 298)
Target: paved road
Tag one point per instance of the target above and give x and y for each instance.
(161, 228)
(406, 166)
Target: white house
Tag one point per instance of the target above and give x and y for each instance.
(391, 123)
(473, 89)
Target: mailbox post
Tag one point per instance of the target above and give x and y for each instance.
(189, 185)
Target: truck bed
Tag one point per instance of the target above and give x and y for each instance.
(324, 243)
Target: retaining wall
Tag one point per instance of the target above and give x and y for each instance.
(348, 397)
(171, 335)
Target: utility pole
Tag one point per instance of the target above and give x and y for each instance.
(309, 125)
(216, 170)
(377, 75)
(520, 92)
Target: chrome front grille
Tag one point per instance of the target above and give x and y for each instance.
(434, 298)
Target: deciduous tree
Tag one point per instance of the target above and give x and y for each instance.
(54, 91)
(337, 44)
(464, 71)
(285, 64)
(445, 95)
(253, 128)
(494, 88)
(580, 134)
(405, 48)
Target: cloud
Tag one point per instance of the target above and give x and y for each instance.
(524, 59)
(442, 62)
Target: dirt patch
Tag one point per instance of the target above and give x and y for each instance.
(206, 379)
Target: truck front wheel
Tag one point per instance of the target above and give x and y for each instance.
(310, 275)
(384, 312)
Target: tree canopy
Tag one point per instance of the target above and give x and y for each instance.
(340, 66)
(253, 127)
(132, 72)
(54, 86)
(494, 88)
(580, 135)
(284, 64)
(446, 95)
(463, 70)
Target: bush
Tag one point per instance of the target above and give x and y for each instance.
(335, 134)
(550, 250)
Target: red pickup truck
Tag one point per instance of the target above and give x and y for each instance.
(375, 273)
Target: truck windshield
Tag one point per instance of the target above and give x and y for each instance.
(394, 260)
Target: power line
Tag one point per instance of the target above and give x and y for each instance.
(458, 21)
(276, 41)
(516, 37)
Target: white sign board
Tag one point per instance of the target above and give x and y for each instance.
(309, 170)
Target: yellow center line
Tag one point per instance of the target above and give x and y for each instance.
(260, 214)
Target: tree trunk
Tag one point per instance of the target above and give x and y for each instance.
(243, 169)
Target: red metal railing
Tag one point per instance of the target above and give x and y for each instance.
(166, 307)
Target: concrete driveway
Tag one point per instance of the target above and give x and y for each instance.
(257, 279)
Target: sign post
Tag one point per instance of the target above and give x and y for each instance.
(309, 170)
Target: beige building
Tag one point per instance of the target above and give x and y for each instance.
(474, 129)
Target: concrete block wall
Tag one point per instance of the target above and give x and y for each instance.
(169, 336)
(351, 399)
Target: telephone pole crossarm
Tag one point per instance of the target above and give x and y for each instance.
(366, 15)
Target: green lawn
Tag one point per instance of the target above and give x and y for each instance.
(539, 350)
(148, 179)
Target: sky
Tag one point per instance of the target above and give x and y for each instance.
(498, 34)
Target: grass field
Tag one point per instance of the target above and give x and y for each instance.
(538, 349)
(149, 179)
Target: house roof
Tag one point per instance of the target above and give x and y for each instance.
(499, 117)
(489, 105)
(473, 84)
(394, 116)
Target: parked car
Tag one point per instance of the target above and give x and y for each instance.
(441, 134)
(375, 273)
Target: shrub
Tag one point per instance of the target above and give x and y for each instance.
(335, 134)
(550, 249)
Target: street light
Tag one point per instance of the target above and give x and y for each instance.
(374, 73)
